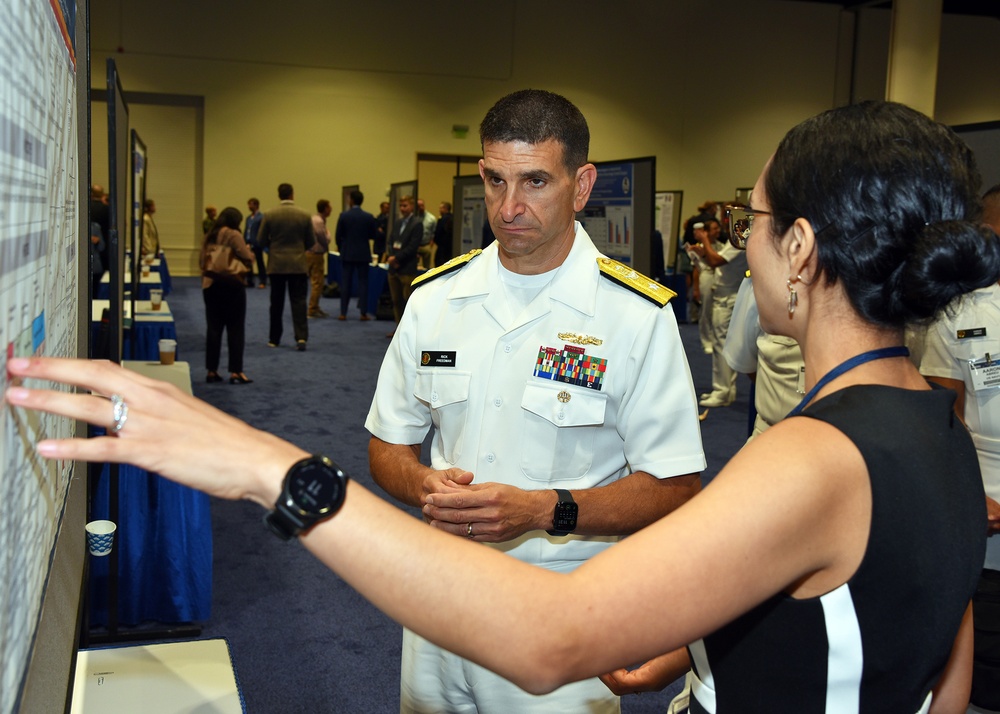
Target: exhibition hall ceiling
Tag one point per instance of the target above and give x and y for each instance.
(986, 8)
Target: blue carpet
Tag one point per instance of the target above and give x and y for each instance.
(302, 640)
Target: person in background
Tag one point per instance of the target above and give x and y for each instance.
(381, 231)
(150, 234)
(444, 234)
(316, 257)
(100, 214)
(209, 220)
(702, 280)
(830, 565)
(403, 244)
(96, 265)
(961, 352)
(356, 228)
(286, 233)
(254, 217)
(427, 249)
(729, 266)
(225, 300)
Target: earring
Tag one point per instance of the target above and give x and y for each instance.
(793, 298)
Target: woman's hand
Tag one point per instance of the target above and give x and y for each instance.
(166, 431)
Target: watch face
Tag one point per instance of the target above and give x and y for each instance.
(314, 489)
(565, 516)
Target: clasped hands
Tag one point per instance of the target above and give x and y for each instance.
(496, 512)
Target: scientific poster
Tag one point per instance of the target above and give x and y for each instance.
(609, 217)
(38, 308)
(666, 222)
(473, 216)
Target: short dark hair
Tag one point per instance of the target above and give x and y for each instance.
(357, 198)
(253, 201)
(534, 116)
(893, 198)
(447, 205)
(147, 203)
(321, 205)
(285, 191)
(229, 218)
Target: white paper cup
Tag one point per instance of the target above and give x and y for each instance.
(145, 269)
(100, 537)
(168, 351)
(156, 297)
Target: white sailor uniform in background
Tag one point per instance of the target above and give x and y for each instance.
(965, 346)
(588, 383)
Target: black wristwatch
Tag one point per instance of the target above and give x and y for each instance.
(564, 518)
(313, 490)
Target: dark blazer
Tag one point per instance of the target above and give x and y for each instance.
(403, 244)
(355, 228)
(287, 233)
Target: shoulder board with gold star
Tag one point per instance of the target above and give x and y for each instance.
(634, 281)
(459, 261)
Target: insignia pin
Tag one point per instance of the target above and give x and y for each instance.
(564, 396)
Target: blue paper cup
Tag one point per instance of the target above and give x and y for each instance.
(100, 537)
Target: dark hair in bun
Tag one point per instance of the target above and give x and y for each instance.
(894, 200)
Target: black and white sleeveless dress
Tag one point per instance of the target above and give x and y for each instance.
(879, 642)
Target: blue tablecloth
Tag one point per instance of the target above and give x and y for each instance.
(377, 280)
(164, 543)
(165, 276)
(147, 338)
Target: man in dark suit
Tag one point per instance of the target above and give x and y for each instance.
(403, 244)
(355, 228)
(381, 230)
(443, 234)
(287, 233)
(101, 215)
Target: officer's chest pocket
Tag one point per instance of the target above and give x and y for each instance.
(447, 395)
(975, 348)
(558, 430)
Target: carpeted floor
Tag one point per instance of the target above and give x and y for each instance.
(302, 641)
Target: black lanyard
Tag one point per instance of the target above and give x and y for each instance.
(847, 366)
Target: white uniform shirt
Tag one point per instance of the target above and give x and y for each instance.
(490, 387)
(729, 275)
(777, 361)
(951, 344)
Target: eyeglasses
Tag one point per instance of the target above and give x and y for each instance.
(737, 221)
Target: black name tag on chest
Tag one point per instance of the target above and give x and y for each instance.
(971, 332)
(437, 359)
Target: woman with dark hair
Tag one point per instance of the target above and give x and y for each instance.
(225, 298)
(828, 567)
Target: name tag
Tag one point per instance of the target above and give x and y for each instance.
(970, 332)
(437, 359)
(985, 373)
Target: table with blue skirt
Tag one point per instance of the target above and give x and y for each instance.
(157, 265)
(146, 283)
(164, 538)
(145, 331)
(378, 277)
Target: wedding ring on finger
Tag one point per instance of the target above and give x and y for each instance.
(119, 412)
(468, 531)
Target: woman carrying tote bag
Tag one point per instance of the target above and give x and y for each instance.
(225, 259)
